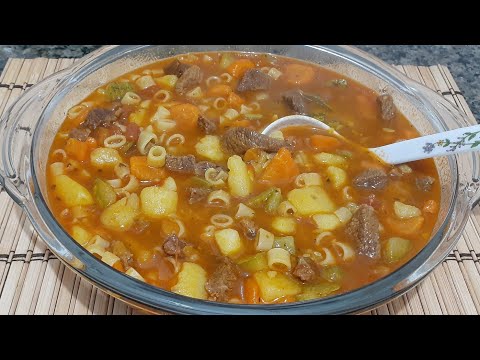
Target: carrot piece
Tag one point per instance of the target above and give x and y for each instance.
(186, 116)
(431, 207)
(80, 150)
(119, 266)
(240, 67)
(251, 154)
(251, 291)
(281, 169)
(220, 90)
(324, 143)
(140, 169)
(101, 134)
(242, 123)
(405, 226)
(235, 100)
(299, 74)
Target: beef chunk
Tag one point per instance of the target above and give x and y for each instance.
(424, 183)
(80, 133)
(99, 117)
(305, 269)
(132, 132)
(387, 107)
(252, 80)
(173, 246)
(181, 164)
(190, 78)
(222, 281)
(364, 229)
(375, 179)
(206, 126)
(295, 101)
(249, 228)
(197, 194)
(176, 68)
(202, 166)
(238, 140)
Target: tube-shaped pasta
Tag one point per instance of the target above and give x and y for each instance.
(76, 111)
(245, 109)
(231, 114)
(277, 135)
(325, 258)
(320, 237)
(219, 198)
(120, 126)
(286, 208)
(274, 73)
(343, 250)
(244, 212)
(220, 103)
(221, 221)
(115, 183)
(121, 170)
(346, 193)
(277, 257)
(115, 141)
(175, 140)
(213, 80)
(343, 214)
(215, 177)
(226, 77)
(164, 124)
(181, 227)
(265, 240)
(308, 179)
(156, 156)
(195, 93)
(208, 232)
(110, 258)
(144, 139)
(134, 274)
(145, 82)
(162, 96)
(57, 168)
(161, 113)
(254, 105)
(130, 98)
(131, 186)
(60, 153)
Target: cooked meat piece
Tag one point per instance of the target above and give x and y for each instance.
(140, 226)
(80, 133)
(197, 194)
(181, 164)
(124, 113)
(190, 78)
(132, 132)
(424, 183)
(115, 130)
(254, 79)
(387, 107)
(114, 106)
(148, 93)
(238, 140)
(173, 246)
(206, 126)
(176, 68)
(202, 166)
(222, 281)
(99, 117)
(295, 101)
(364, 229)
(305, 269)
(375, 179)
(249, 228)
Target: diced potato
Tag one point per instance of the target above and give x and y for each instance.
(344, 215)
(110, 258)
(326, 222)
(265, 240)
(121, 215)
(210, 148)
(330, 159)
(144, 82)
(134, 273)
(158, 201)
(311, 200)
(239, 181)
(81, 235)
(395, 249)
(167, 81)
(255, 263)
(337, 176)
(191, 281)
(284, 225)
(404, 211)
(105, 158)
(229, 241)
(161, 113)
(274, 285)
(138, 117)
(71, 192)
(244, 212)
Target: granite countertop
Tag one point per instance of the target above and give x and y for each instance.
(462, 60)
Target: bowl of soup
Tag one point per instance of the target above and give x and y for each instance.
(144, 169)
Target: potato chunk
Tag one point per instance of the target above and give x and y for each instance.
(311, 200)
(158, 201)
(71, 192)
(337, 176)
(326, 222)
(284, 225)
(330, 159)
(404, 211)
(105, 158)
(274, 285)
(121, 215)
(229, 241)
(210, 148)
(191, 281)
(81, 235)
(239, 181)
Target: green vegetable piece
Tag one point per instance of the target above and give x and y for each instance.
(285, 242)
(395, 249)
(103, 193)
(317, 100)
(253, 116)
(332, 273)
(226, 60)
(116, 91)
(260, 199)
(255, 263)
(273, 201)
(312, 292)
(196, 181)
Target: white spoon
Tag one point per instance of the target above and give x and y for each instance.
(442, 144)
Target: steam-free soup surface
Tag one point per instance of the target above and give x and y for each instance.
(163, 175)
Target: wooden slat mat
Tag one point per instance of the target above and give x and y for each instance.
(33, 281)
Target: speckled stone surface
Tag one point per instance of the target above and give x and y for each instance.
(462, 60)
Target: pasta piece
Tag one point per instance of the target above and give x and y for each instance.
(175, 140)
(144, 140)
(347, 193)
(105, 158)
(132, 185)
(255, 106)
(228, 241)
(130, 98)
(57, 168)
(220, 103)
(122, 170)
(213, 80)
(145, 82)
(221, 220)
(215, 177)
(208, 232)
(326, 222)
(71, 192)
(158, 201)
(274, 73)
(196, 93)
(346, 252)
(219, 198)
(284, 225)
(245, 109)
(352, 207)
(279, 259)
(244, 212)
(164, 124)
(61, 153)
(231, 114)
(110, 258)
(156, 156)
(134, 274)
(226, 77)
(277, 135)
(324, 235)
(286, 209)
(308, 179)
(115, 183)
(162, 96)
(324, 258)
(239, 181)
(191, 281)
(115, 141)
(265, 240)
(181, 226)
(76, 111)
(210, 148)
(160, 114)
(343, 214)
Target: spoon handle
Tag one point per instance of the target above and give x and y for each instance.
(441, 144)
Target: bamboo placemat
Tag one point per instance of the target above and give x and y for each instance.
(33, 281)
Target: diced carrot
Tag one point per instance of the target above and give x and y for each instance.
(282, 168)
(80, 150)
(430, 206)
(119, 266)
(221, 90)
(240, 67)
(405, 226)
(235, 100)
(140, 169)
(241, 123)
(299, 74)
(186, 116)
(251, 154)
(251, 291)
(324, 143)
(101, 134)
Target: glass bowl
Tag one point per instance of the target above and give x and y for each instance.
(29, 125)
